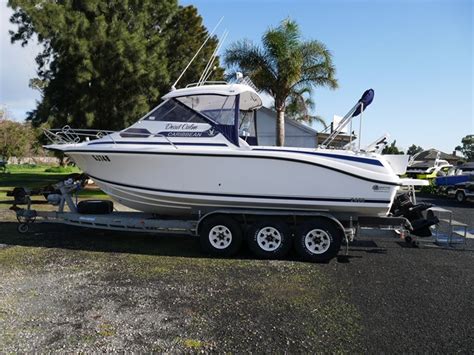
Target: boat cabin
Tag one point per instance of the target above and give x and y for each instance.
(208, 111)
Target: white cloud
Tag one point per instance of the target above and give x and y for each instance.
(17, 67)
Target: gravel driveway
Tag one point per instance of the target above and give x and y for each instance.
(70, 289)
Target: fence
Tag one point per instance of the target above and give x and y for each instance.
(34, 160)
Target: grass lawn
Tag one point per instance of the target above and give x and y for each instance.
(36, 176)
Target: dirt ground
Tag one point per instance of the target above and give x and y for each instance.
(71, 289)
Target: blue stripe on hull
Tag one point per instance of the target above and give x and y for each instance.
(329, 155)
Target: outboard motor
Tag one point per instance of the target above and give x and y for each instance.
(404, 207)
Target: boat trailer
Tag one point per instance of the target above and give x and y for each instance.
(69, 212)
(100, 214)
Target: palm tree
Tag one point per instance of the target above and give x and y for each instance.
(299, 106)
(283, 66)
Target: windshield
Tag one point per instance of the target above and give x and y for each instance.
(221, 109)
(173, 111)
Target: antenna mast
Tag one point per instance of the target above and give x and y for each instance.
(208, 69)
(173, 87)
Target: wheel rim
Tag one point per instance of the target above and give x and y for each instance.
(269, 238)
(460, 197)
(220, 237)
(23, 227)
(317, 241)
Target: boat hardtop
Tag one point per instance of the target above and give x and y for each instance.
(249, 99)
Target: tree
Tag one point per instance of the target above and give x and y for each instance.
(299, 106)
(187, 34)
(283, 66)
(414, 149)
(106, 63)
(4, 113)
(467, 148)
(392, 149)
(16, 139)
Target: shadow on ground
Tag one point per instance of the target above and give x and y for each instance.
(22, 179)
(48, 235)
(444, 201)
(51, 235)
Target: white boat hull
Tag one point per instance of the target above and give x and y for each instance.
(186, 181)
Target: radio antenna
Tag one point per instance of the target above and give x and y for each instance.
(173, 87)
(208, 69)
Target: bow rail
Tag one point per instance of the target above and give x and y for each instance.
(68, 135)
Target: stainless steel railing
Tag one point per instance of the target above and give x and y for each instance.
(68, 135)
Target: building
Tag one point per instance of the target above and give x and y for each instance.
(296, 133)
(433, 154)
(340, 141)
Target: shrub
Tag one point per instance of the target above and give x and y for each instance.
(431, 189)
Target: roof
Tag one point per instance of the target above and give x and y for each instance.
(292, 122)
(249, 98)
(432, 154)
(422, 164)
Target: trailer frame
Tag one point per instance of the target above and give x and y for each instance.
(142, 222)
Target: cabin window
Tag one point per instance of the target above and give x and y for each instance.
(247, 124)
(220, 109)
(248, 127)
(173, 111)
(135, 133)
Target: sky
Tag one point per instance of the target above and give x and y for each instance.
(416, 54)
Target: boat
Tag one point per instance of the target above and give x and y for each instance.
(189, 156)
(427, 168)
(456, 175)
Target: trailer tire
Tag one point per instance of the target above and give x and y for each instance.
(23, 228)
(460, 196)
(269, 239)
(95, 207)
(318, 240)
(220, 235)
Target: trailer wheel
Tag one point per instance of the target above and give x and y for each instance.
(220, 235)
(23, 228)
(269, 239)
(460, 196)
(318, 241)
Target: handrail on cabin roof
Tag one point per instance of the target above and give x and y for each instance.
(192, 85)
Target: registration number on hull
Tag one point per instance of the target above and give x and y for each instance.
(101, 158)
